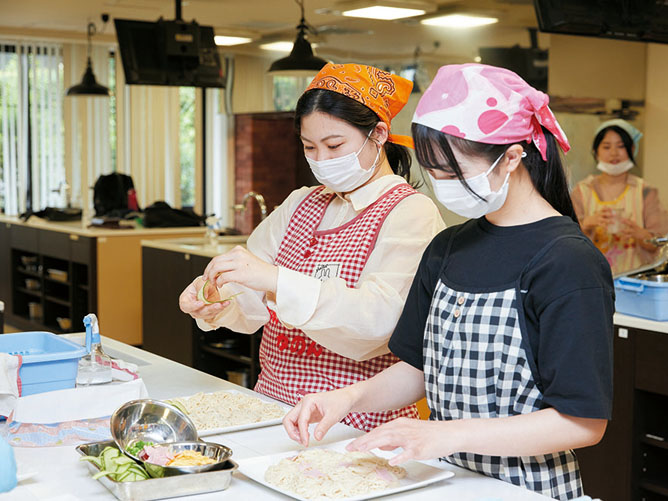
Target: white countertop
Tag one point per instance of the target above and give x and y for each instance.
(197, 246)
(78, 228)
(62, 477)
(640, 323)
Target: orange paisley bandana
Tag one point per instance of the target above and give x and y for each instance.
(382, 92)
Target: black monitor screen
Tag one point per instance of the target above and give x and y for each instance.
(168, 53)
(638, 20)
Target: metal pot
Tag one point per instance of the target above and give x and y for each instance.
(658, 277)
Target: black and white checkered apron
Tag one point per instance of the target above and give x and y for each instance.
(476, 366)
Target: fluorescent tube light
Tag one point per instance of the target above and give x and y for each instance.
(278, 46)
(459, 21)
(383, 12)
(228, 40)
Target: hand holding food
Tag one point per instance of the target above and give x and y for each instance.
(242, 267)
(327, 409)
(602, 218)
(198, 309)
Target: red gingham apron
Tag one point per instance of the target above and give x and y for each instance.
(293, 364)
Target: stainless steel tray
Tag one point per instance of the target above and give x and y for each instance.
(161, 488)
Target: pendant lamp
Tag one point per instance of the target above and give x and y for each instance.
(301, 61)
(88, 85)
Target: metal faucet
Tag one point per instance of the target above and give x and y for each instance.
(258, 198)
(64, 187)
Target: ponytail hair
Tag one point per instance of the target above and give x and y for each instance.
(356, 114)
(433, 150)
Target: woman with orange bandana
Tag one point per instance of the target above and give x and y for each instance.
(327, 273)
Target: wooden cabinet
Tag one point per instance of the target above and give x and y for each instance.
(631, 462)
(167, 331)
(57, 270)
(172, 334)
(43, 287)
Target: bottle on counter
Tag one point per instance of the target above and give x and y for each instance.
(95, 367)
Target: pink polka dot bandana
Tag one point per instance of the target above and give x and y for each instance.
(489, 105)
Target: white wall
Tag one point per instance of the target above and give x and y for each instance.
(656, 119)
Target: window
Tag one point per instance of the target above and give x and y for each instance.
(187, 145)
(31, 126)
(287, 91)
(112, 110)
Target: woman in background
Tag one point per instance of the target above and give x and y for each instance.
(616, 209)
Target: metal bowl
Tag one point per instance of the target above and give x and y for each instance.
(219, 453)
(656, 277)
(150, 421)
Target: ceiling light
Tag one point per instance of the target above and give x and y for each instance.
(383, 12)
(227, 40)
(459, 21)
(89, 85)
(301, 60)
(278, 46)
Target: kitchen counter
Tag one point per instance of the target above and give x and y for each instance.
(102, 270)
(60, 476)
(197, 246)
(640, 323)
(77, 228)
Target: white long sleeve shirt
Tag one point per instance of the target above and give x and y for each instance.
(354, 322)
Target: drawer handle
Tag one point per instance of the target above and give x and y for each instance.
(74, 237)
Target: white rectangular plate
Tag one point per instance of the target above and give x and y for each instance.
(418, 474)
(246, 426)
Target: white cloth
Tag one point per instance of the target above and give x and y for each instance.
(355, 323)
(86, 402)
(9, 388)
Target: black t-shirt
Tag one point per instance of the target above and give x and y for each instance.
(566, 290)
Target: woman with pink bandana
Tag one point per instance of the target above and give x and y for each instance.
(507, 329)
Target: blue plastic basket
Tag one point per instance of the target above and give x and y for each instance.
(50, 362)
(642, 298)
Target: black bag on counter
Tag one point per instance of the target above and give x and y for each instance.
(115, 193)
(161, 215)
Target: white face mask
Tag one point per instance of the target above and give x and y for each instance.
(615, 169)
(454, 195)
(343, 174)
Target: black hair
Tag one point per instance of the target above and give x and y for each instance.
(357, 115)
(626, 139)
(433, 150)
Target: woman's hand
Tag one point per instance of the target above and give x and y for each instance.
(244, 268)
(326, 408)
(639, 234)
(602, 218)
(197, 309)
(418, 438)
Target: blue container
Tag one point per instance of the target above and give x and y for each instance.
(50, 362)
(642, 298)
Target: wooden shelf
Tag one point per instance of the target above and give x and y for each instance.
(57, 300)
(655, 487)
(23, 271)
(30, 292)
(228, 354)
(662, 444)
(56, 281)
